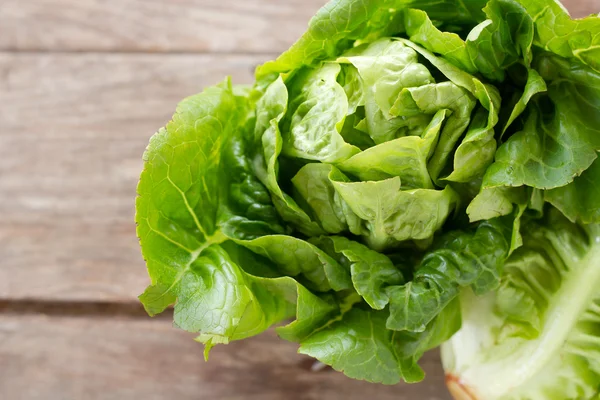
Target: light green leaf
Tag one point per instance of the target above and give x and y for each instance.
(319, 106)
(393, 215)
(405, 157)
(270, 110)
(495, 202)
(294, 257)
(421, 30)
(385, 68)
(579, 200)
(313, 185)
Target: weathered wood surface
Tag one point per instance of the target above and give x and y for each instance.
(111, 358)
(234, 26)
(582, 8)
(247, 26)
(80, 94)
(73, 131)
(74, 127)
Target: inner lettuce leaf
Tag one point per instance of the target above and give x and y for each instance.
(409, 173)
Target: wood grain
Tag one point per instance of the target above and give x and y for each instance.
(111, 358)
(249, 26)
(73, 131)
(74, 128)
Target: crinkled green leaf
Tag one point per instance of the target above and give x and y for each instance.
(360, 346)
(405, 157)
(457, 95)
(490, 47)
(412, 345)
(580, 199)
(315, 189)
(318, 108)
(267, 142)
(499, 41)
(294, 257)
(460, 259)
(561, 135)
(544, 317)
(371, 271)
(393, 215)
(555, 31)
(428, 99)
(385, 68)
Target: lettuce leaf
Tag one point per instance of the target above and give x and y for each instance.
(537, 336)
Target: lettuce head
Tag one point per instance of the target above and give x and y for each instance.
(409, 174)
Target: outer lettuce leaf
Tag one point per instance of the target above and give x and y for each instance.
(177, 214)
(360, 346)
(184, 219)
(561, 135)
(460, 259)
(371, 271)
(340, 22)
(414, 344)
(537, 336)
(580, 200)
(558, 33)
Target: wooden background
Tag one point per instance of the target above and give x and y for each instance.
(83, 85)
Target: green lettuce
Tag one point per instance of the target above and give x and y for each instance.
(409, 173)
(536, 337)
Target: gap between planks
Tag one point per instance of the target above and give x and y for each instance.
(96, 309)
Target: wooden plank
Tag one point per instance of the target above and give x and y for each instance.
(74, 129)
(582, 8)
(106, 359)
(248, 26)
